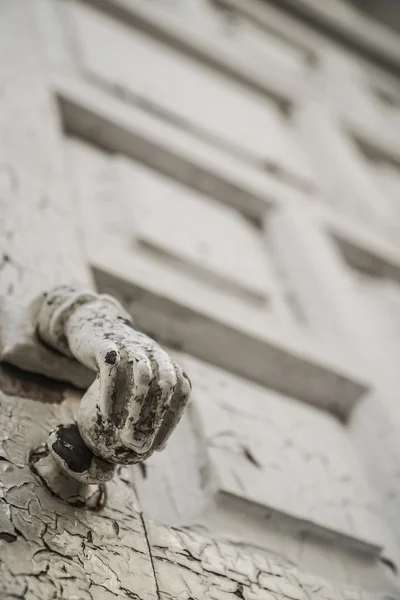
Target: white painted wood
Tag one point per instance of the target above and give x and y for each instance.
(150, 211)
(196, 230)
(127, 129)
(312, 260)
(33, 194)
(200, 31)
(376, 423)
(363, 247)
(230, 571)
(39, 243)
(191, 94)
(184, 308)
(234, 31)
(344, 177)
(383, 297)
(210, 243)
(40, 249)
(344, 83)
(162, 476)
(309, 261)
(384, 86)
(111, 193)
(182, 479)
(43, 550)
(376, 94)
(170, 307)
(226, 404)
(269, 533)
(263, 47)
(382, 143)
(57, 45)
(40, 199)
(387, 177)
(353, 25)
(284, 455)
(306, 40)
(240, 35)
(108, 122)
(358, 327)
(50, 549)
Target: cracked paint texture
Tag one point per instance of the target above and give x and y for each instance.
(277, 452)
(49, 550)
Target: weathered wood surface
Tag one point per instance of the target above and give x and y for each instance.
(50, 550)
(39, 242)
(197, 97)
(186, 296)
(361, 320)
(34, 190)
(286, 456)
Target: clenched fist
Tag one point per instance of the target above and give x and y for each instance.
(139, 393)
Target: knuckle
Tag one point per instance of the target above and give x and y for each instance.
(167, 377)
(143, 371)
(183, 382)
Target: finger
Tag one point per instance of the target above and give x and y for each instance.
(177, 405)
(133, 382)
(107, 359)
(159, 396)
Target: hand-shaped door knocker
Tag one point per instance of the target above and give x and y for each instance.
(138, 394)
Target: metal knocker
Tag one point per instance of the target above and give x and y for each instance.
(133, 405)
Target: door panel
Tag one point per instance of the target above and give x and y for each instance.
(187, 92)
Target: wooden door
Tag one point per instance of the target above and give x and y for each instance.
(148, 151)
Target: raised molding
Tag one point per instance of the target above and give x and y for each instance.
(327, 293)
(283, 25)
(49, 548)
(191, 95)
(383, 142)
(349, 25)
(118, 552)
(209, 49)
(363, 247)
(164, 305)
(259, 529)
(309, 259)
(93, 114)
(343, 171)
(254, 435)
(154, 214)
(107, 122)
(353, 90)
(250, 435)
